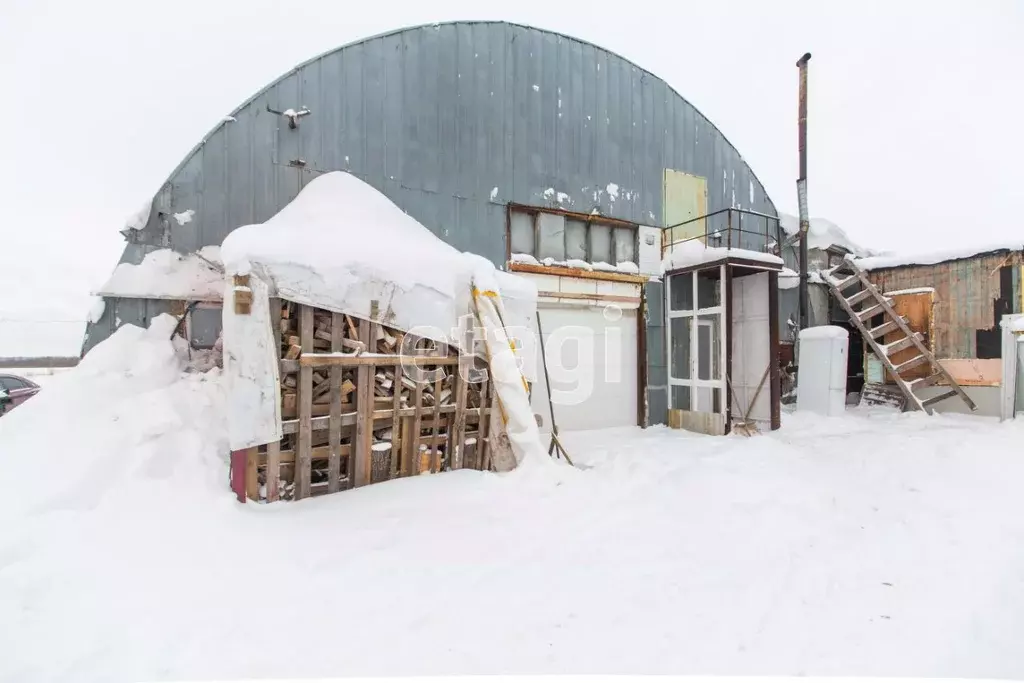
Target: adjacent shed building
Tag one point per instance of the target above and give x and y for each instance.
(503, 140)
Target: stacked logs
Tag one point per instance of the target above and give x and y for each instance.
(421, 441)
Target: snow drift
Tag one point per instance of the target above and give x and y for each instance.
(127, 417)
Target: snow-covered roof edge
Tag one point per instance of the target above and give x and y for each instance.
(935, 257)
(693, 253)
(823, 234)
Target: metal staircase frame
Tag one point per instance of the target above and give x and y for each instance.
(875, 303)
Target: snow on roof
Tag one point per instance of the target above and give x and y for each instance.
(694, 253)
(935, 257)
(341, 244)
(824, 332)
(1017, 324)
(166, 274)
(822, 234)
(621, 267)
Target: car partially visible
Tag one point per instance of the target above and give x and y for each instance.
(14, 391)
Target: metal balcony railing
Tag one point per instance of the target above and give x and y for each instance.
(730, 228)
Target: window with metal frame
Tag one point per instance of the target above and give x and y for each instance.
(564, 237)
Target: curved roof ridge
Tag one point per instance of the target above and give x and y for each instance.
(301, 65)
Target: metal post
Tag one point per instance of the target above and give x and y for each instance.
(801, 188)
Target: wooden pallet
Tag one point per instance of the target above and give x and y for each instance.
(873, 303)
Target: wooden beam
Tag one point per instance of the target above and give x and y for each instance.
(482, 450)
(396, 425)
(324, 360)
(349, 419)
(775, 384)
(566, 271)
(435, 452)
(334, 462)
(583, 296)
(457, 433)
(417, 427)
(362, 455)
(274, 447)
(252, 480)
(303, 465)
(318, 453)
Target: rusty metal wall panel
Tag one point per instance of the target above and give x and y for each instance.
(965, 292)
(452, 122)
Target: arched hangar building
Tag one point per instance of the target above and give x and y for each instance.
(502, 139)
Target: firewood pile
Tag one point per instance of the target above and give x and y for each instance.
(370, 413)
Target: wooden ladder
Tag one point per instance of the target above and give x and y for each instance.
(872, 303)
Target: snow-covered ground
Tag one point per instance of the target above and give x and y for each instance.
(869, 544)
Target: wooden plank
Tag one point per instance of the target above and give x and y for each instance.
(917, 309)
(364, 426)
(417, 427)
(483, 444)
(349, 419)
(491, 436)
(405, 455)
(325, 360)
(396, 426)
(973, 372)
(457, 433)
(583, 296)
(577, 273)
(274, 448)
(775, 386)
(252, 475)
(303, 464)
(334, 462)
(320, 453)
(435, 452)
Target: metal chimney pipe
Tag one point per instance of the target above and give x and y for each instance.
(801, 188)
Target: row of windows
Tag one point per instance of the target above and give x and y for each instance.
(557, 236)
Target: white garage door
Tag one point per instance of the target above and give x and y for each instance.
(592, 362)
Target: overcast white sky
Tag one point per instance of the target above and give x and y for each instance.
(916, 112)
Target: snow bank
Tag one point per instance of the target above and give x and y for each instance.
(693, 253)
(125, 417)
(934, 257)
(822, 234)
(794, 554)
(166, 274)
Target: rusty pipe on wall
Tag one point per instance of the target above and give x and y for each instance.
(801, 187)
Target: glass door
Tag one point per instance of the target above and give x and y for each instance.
(696, 349)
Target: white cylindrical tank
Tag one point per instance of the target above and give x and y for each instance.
(821, 382)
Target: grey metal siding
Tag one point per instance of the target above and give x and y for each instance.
(438, 117)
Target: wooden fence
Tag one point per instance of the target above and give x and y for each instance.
(357, 410)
